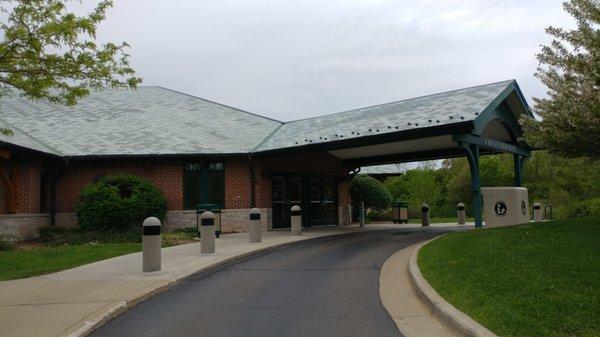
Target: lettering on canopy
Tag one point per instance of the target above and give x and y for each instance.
(500, 146)
(492, 144)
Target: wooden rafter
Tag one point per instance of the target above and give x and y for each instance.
(11, 193)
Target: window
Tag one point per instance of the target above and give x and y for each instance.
(203, 182)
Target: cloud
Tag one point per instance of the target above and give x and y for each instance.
(291, 59)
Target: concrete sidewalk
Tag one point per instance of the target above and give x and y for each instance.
(71, 302)
(413, 317)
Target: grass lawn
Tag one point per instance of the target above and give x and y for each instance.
(55, 256)
(529, 280)
(31, 262)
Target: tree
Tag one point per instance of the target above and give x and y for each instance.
(417, 186)
(570, 68)
(365, 188)
(49, 53)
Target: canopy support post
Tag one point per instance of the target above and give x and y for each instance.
(518, 163)
(472, 153)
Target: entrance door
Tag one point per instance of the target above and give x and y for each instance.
(322, 201)
(287, 192)
(315, 202)
(329, 202)
(316, 195)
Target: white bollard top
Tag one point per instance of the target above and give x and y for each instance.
(255, 211)
(460, 204)
(537, 204)
(296, 208)
(151, 221)
(207, 215)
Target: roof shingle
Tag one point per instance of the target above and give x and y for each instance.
(146, 121)
(444, 108)
(159, 121)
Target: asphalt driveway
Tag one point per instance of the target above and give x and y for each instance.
(323, 287)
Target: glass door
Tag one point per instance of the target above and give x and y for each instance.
(316, 195)
(287, 192)
(314, 201)
(329, 208)
(280, 209)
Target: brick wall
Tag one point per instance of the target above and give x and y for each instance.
(166, 175)
(3, 198)
(237, 183)
(343, 196)
(26, 178)
(263, 189)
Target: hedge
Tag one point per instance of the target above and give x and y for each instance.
(119, 202)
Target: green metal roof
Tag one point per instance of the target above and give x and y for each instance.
(433, 110)
(159, 121)
(146, 121)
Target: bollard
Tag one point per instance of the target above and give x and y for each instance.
(255, 232)
(460, 213)
(537, 212)
(296, 214)
(362, 214)
(151, 245)
(207, 233)
(425, 215)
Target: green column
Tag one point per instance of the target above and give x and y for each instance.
(518, 163)
(472, 152)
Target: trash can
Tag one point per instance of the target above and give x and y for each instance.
(215, 208)
(400, 211)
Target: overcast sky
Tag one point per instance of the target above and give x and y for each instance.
(294, 59)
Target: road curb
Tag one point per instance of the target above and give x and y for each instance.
(440, 307)
(118, 307)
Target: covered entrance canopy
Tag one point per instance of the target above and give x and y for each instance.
(468, 122)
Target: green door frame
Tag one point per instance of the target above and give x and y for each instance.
(305, 205)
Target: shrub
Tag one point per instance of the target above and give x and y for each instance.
(370, 190)
(577, 209)
(57, 236)
(6, 245)
(51, 233)
(119, 202)
(380, 215)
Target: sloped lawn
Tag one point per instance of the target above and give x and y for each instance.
(529, 280)
(71, 248)
(31, 262)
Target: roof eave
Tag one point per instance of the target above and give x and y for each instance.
(155, 156)
(28, 149)
(437, 130)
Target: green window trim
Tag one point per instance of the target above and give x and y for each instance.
(203, 182)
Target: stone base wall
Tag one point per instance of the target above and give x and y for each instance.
(180, 219)
(232, 220)
(344, 218)
(25, 226)
(22, 226)
(68, 220)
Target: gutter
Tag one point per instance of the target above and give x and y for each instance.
(252, 182)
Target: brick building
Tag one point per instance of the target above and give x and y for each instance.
(198, 151)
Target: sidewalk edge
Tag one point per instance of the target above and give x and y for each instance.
(440, 307)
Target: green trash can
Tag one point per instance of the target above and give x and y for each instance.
(400, 211)
(215, 208)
